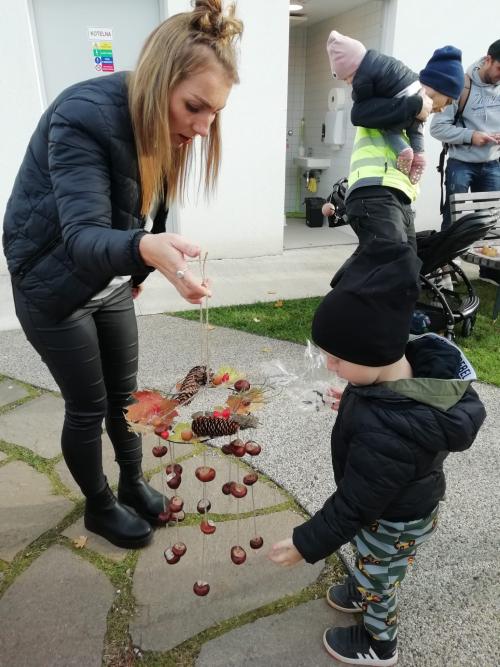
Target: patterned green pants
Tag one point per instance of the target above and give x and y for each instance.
(383, 552)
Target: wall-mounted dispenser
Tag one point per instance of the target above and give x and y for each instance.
(335, 118)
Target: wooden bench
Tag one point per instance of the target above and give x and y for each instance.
(469, 202)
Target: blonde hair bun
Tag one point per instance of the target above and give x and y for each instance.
(208, 17)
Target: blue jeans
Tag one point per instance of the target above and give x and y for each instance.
(465, 176)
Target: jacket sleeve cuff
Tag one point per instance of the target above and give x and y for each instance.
(136, 255)
(467, 136)
(303, 542)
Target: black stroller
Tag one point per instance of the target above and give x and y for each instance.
(447, 296)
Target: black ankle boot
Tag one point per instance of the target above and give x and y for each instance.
(134, 491)
(105, 516)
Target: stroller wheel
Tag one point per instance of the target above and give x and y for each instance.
(467, 327)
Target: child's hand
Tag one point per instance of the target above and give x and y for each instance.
(328, 209)
(284, 553)
(336, 395)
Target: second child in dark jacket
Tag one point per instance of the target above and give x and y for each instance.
(407, 406)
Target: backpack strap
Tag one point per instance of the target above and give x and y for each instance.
(458, 118)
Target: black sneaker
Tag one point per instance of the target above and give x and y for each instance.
(355, 646)
(345, 597)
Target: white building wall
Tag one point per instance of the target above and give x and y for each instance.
(21, 97)
(363, 23)
(245, 219)
(421, 28)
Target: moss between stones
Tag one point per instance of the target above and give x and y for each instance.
(118, 650)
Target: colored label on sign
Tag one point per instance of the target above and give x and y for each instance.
(102, 51)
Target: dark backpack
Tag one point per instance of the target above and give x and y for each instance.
(458, 119)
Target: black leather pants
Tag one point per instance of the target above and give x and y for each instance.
(93, 357)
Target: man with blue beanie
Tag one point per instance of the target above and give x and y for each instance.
(390, 104)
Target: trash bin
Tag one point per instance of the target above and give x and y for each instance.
(314, 217)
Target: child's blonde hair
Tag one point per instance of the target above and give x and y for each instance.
(174, 51)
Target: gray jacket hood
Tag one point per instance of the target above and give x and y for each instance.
(481, 113)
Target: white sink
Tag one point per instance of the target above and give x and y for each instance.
(313, 162)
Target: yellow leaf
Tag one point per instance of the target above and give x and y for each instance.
(266, 349)
(279, 303)
(80, 541)
(256, 319)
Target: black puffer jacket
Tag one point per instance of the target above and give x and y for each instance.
(73, 220)
(378, 79)
(389, 442)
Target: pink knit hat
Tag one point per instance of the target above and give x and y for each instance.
(345, 54)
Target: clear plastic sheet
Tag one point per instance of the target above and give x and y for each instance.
(309, 385)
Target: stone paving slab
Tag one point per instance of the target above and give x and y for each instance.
(36, 425)
(293, 638)
(54, 614)
(169, 612)
(95, 542)
(11, 391)
(191, 489)
(111, 469)
(27, 507)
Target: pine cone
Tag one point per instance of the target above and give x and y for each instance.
(196, 378)
(213, 426)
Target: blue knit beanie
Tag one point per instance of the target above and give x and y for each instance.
(444, 72)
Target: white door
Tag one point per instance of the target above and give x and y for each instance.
(81, 39)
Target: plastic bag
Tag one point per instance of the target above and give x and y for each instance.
(308, 385)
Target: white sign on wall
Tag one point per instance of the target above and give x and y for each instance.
(102, 49)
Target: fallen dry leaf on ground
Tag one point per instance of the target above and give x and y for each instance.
(80, 541)
(279, 303)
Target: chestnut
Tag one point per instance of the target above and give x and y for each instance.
(238, 490)
(179, 549)
(226, 488)
(176, 504)
(205, 473)
(250, 479)
(201, 588)
(174, 467)
(238, 555)
(204, 505)
(159, 451)
(241, 385)
(256, 542)
(207, 526)
(252, 448)
(171, 557)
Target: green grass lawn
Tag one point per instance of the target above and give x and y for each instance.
(292, 321)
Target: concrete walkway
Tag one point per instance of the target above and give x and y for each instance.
(69, 598)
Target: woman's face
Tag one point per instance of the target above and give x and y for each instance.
(196, 101)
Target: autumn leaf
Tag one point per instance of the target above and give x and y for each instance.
(80, 541)
(245, 402)
(266, 349)
(256, 319)
(151, 411)
(279, 303)
(175, 434)
(232, 373)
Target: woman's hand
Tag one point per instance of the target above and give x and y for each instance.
(284, 553)
(136, 291)
(328, 209)
(167, 253)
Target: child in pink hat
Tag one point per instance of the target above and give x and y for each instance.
(375, 75)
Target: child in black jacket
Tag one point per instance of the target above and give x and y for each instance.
(406, 407)
(375, 75)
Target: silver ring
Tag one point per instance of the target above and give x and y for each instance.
(181, 273)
